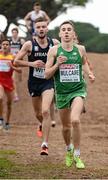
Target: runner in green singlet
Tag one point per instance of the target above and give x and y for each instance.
(65, 62)
(70, 71)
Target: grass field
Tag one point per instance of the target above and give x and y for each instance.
(43, 170)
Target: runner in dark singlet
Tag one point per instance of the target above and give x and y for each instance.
(16, 43)
(41, 90)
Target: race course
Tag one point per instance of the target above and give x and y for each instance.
(20, 147)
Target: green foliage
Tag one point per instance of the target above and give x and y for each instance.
(5, 164)
(85, 31)
(46, 170)
(42, 168)
(98, 44)
(55, 7)
(7, 152)
(54, 33)
(14, 9)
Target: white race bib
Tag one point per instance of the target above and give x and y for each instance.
(69, 73)
(39, 73)
(4, 66)
(14, 51)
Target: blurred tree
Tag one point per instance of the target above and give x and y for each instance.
(15, 9)
(85, 31)
(56, 7)
(98, 44)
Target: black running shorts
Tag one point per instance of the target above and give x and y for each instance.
(37, 88)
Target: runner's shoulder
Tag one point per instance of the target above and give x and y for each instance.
(80, 46)
(56, 41)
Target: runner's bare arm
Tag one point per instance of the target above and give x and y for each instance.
(81, 47)
(17, 69)
(27, 19)
(51, 67)
(55, 41)
(25, 50)
(19, 61)
(22, 41)
(47, 17)
(86, 67)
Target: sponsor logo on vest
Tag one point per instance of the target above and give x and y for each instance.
(74, 53)
(61, 53)
(36, 48)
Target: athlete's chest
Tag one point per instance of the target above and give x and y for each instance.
(40, 52)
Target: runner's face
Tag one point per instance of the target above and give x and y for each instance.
(5, 46)
(41, 29)
(37, 8)
(15, 34)
(66, 33)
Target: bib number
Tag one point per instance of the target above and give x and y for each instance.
(4, 66)
(39, 73)
(69, 73)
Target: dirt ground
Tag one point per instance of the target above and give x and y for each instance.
(94, 144)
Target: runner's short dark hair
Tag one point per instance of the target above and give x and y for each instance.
(15, 29)
(67, 22)
(40, 19)
(5, 39)
(36, 4)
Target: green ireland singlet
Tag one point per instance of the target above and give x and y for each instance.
(68, 79)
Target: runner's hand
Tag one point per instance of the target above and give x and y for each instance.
(18, 69)
(38, 63)
(91, 77)
(61, 59)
